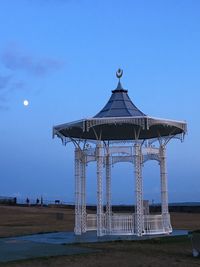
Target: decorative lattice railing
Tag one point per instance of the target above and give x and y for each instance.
(125, 224)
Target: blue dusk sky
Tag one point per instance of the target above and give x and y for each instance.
(62, 55)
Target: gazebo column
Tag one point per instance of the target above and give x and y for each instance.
(77, 229)
(108, 193)
(83, 192)
(99, 158)
(139, 218)
(164, 190)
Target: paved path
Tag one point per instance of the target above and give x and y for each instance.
(16, 249)
(71, 238)
(55, 244)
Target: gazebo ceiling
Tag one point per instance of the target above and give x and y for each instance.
(120, 119)
(124, 129)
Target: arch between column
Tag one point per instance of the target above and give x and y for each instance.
(108, 222)
(162, 221)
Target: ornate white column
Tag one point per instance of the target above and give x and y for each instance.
(108, 193)
(139, 218)
(83, 192)
(164, 190)
(77, 229)
(99, 158)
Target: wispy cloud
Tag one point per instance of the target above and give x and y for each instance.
(20, 63)
(14, 59)
(8, 84)
(4, 81)
(18, 85)
(3, 102)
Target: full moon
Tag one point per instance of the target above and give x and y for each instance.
(25, 102)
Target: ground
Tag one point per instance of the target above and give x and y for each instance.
(169, 251)
(15, 220)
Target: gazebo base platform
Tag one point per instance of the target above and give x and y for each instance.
(89, 237)
(126, 224)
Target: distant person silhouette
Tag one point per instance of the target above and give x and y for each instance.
(27, 201)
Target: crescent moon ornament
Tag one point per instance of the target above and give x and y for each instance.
(119, 73)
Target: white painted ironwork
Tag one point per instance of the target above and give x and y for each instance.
(120, 223)
(150, 150)
(138, 190)
(116, 159)
(139, 223)
(150, 153)
(153, 224)
(164, 190)
(108, 192)
(144, 123)
(78, 214)
(91, 222)
(121, 150)
(83, 192)
(99, 158)
(123, 224)
(140, 121)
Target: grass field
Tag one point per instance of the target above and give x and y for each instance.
(16, 220)
(166, 252)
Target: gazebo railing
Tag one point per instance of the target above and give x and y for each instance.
(91, 222)
(155, 224)
(120, 223)
(125, 224)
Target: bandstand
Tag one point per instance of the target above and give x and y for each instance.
(120, 132)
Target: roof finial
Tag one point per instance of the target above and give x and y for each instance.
(119, 73)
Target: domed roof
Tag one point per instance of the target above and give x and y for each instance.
(119, 105)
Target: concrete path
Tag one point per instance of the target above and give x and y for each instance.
(60, 243)
(16, 249)
(89, 237)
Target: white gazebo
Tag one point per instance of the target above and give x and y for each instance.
(120, 132)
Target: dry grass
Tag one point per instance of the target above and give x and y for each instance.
(16, 220)
(188, 221)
